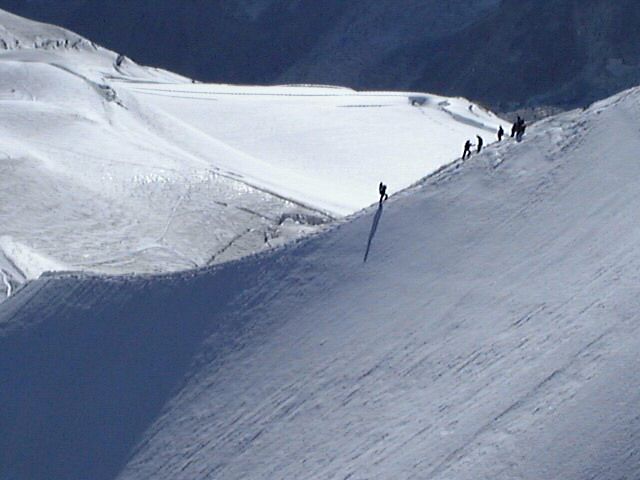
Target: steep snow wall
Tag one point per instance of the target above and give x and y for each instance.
(492, 333)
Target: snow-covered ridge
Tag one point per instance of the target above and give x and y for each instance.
(19, 33)
(492, 333)
(113, 167)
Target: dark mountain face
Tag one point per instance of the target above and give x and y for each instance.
(507, 54)
(535, 52)
(367, 32)
(232, 41)
(258, 41)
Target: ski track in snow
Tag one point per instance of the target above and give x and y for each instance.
(172, 214)
(228, 246)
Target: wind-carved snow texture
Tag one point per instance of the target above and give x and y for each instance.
(492, 333)
(111, 167)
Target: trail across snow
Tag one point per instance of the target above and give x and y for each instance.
(492, 333)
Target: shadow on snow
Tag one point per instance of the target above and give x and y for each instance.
(374, 227)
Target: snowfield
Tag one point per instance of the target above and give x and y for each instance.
(492, 333)
(111, 167)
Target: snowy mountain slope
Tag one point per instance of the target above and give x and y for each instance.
(323, 146)
(492, 333)
(113, 167)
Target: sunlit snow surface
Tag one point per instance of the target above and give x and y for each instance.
(112, 167)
